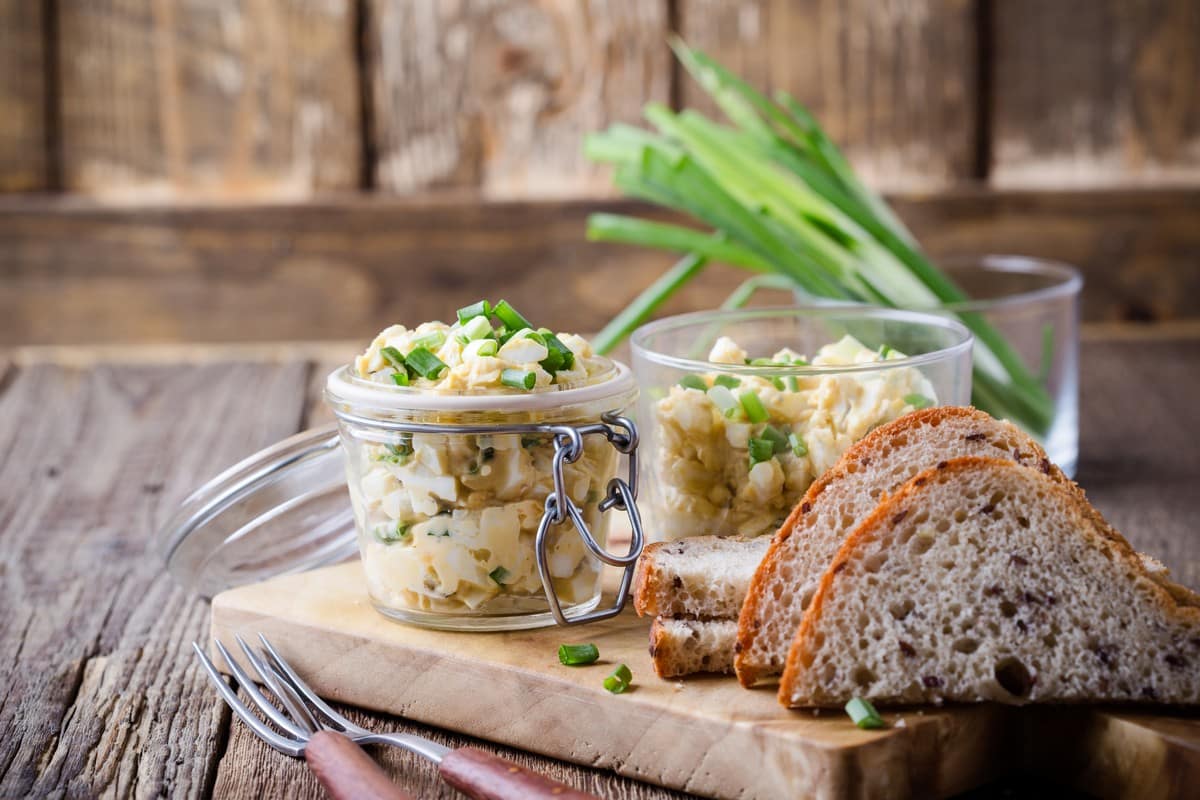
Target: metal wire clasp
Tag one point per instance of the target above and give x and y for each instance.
(622, 434)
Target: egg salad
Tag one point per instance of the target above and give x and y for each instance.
(447, 521)
(735, 452)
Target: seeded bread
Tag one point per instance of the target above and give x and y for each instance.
(687, 646)
(704, 577)
(881, 462)
(980, 580)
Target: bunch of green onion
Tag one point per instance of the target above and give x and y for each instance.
(781, 201)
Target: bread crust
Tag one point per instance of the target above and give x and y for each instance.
(900, 501)
(751, 617)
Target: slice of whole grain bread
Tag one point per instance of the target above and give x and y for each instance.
(702, 577)
(881, 462)
(980, 580)
(687, 646)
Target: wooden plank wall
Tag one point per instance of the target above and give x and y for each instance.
(227, 111)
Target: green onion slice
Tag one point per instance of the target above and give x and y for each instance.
(728, 381)
(693, 382)
(761, 450)
(885, 350)
(566, 356)
(724, 400)
(499, 575)
(400, 377)
(386, 534)
(777, 438)
(793, 385)
(393, 357)
(918, 401)
(799, 448)
(430, 341)
(475, 310)
(752, 405)
(864, 714)
(481, 348)
(576, 655)
(476, 328)
(518, 378)
(511, 318)
(426, 364)
(619, 680)
(778, 382)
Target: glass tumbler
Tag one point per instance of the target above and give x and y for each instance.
(730, 448)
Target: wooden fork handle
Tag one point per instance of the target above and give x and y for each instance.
(484, 776)
(346, 772)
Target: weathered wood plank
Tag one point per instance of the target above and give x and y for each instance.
(177, 100)
(1096, 92)
(496, 96)
(343, 270)
(101, 693)
(1137, 400)
(893, 83)
(23, 156)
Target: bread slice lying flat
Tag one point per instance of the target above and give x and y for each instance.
(838, 501)
(702, 577)
(981, 580)
(687, 646)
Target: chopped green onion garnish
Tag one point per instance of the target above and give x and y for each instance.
(765, 362)
(761, 450)
(512, 319)
(393, 357)
(793, 385)
(476, 328)
(518, 378)
(918, 401)
(430, 341)
(728, 381)
(387, 534)
(864, 714)
(723, 399)
(693, 382)
(499, 574)
(576, 655)
(481, 348)
(776, 437)
(530, 333)
(799, 448)
(566, 356)
(799, 362)
(400, 377)
(399, 453)
(752, 405)
(885, 350)
(778, 382)
(480, 309)
(426, 364)
(619, 680)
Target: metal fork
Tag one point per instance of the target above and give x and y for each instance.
(311, 725)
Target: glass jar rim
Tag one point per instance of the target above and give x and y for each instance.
(342, 386)
(1068, 280)
(835, 309)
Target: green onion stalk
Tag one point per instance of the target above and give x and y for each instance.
(781, 201)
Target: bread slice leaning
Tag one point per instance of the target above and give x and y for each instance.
(704, 577)
(687, 646)
(839, 500)
(981, 580)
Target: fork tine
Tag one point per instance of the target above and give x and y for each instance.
(279, 688)
(307, 693)
(283, 744)
(265, 706)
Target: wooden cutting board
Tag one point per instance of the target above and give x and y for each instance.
(704, 735)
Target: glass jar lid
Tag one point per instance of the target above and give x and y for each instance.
(284, 509)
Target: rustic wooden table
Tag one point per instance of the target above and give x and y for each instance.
(101, 692)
